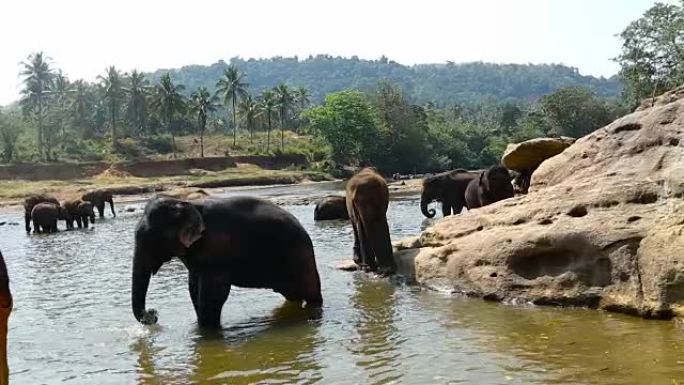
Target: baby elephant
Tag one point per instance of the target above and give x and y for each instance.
(79, 211)
(44, 216)
(331, 207)
(491, 185)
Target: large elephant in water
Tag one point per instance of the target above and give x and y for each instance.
(448, 188)
(491, 185)
(30, 202)
(98, 199)
(241, 241)
(331, 207)
(367, 202)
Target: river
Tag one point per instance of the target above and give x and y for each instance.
(72, 321)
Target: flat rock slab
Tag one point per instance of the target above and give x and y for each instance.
(531, 153)
(347, 265)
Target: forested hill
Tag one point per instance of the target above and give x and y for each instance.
(439, 83)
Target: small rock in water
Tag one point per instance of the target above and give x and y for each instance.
(130, 209)
(3, 223)
(348, 265)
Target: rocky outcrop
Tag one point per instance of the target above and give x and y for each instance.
(525, 157)
(602, 226)
(528, 155)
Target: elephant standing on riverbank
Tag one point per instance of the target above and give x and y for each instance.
(31, 202)
(331, 207)
(367, 202)
(449, 189)
(243, 241)
(98, 198)
(45, 216)
(491, 185)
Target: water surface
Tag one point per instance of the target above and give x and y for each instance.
(72, 322)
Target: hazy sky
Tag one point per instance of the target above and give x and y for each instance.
(83, 37)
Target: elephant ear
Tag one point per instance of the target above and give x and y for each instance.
(192, 224)
(176, 220)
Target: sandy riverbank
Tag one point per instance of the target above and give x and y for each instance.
(132, 189)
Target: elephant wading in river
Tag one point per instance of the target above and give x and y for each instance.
(45, 216)
(30, 202)
(491, 185)
(367, 202)
(79, 211)
(240, 241)
(331, 207)
(449, 188)
(98, 198)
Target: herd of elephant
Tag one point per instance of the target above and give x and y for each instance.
(45, 211)
(250, 242)
(455, 190)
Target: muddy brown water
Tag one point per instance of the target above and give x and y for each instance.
(72, 322)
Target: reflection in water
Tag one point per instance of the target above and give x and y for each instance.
(72, 322)
(377, 342)
(276, 349)
(572, 346)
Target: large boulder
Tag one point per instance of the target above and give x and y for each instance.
(528, 155)
(602, 226)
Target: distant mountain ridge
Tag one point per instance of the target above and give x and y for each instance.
(442, 84)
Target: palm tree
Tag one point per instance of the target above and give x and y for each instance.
(302, 99)
(232, 87)
(168, 101)
(60, 92)
(268, 105)
(79, 107)
(136, 108)
(285, 102)
(201, 104)
(37, 80)
(248, 109)
(112, 85)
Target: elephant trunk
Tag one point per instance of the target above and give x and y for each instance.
(140, 283)
(424, 201)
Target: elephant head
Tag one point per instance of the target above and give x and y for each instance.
(432, 190)
(495, 183)
(441, 186)
(167, 229)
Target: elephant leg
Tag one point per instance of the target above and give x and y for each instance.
(446, 208)
(366, 249)
(27, 221)
(111, 206)
(208, 292)
(382, 247)
(357, 251)
(100, 209)
(85, 222)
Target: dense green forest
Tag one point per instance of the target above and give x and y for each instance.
(335, 111)
(440, 84)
